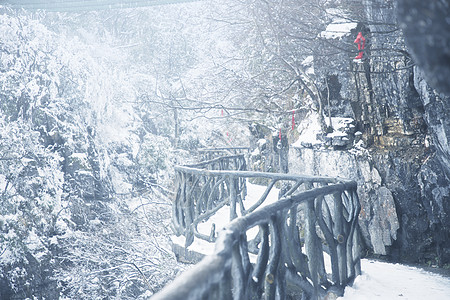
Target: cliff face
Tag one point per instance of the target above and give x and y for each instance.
(402, 163)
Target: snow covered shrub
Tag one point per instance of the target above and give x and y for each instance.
(31, 187)
(28, 70)
(64, 232)
(152, 158)
(128, 258)
(36, 123)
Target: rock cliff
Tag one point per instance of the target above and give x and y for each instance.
(398, 150)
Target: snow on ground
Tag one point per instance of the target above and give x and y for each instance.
(340, 25)
(308, 63)
(222, 218)
(309, 128)
(387, 281)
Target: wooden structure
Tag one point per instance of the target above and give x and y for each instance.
(210, 153)
(313, 219)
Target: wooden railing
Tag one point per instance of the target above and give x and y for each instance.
(210, 153)
(307, 245)
(200, 194)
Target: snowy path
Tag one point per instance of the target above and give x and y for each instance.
(379, 281)
(394, 281)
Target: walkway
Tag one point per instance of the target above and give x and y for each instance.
(385, 281)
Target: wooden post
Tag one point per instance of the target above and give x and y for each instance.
(311, 243)
(261, 262)
(225, 286)
(233, 197)
(340, 237)
(176, 204)
(237, 271)
(356, 235)
(274, 259)
(327, 232)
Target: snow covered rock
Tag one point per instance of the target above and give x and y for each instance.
(378, 218)
(404, 127)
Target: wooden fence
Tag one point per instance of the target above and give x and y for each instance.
(308, 242)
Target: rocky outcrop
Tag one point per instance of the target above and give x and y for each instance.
(402, 169)
(437, 116)
(425, 25)
(378, 218)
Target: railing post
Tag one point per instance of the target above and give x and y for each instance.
(294, 245)
(357, 251)
(176, 208)
(281, 273)
(311, 243)
(352, 224)
(328, 234)
(233, 197)
(225, 286)
(261, 263)
(356, 235)
(270, 283)
(237, 270)
(340, 237)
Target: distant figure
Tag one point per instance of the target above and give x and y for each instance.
(361, 41)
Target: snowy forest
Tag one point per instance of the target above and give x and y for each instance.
(98, 106)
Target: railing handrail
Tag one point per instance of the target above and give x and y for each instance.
(250, 174)
(208, 153)
(211, 161)
(192, 283)
(222, 148)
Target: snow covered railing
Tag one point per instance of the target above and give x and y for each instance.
(307, 242)
(200, 194)
(281, 260)
(210, 153)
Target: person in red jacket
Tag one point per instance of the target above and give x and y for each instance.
(361, 41)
